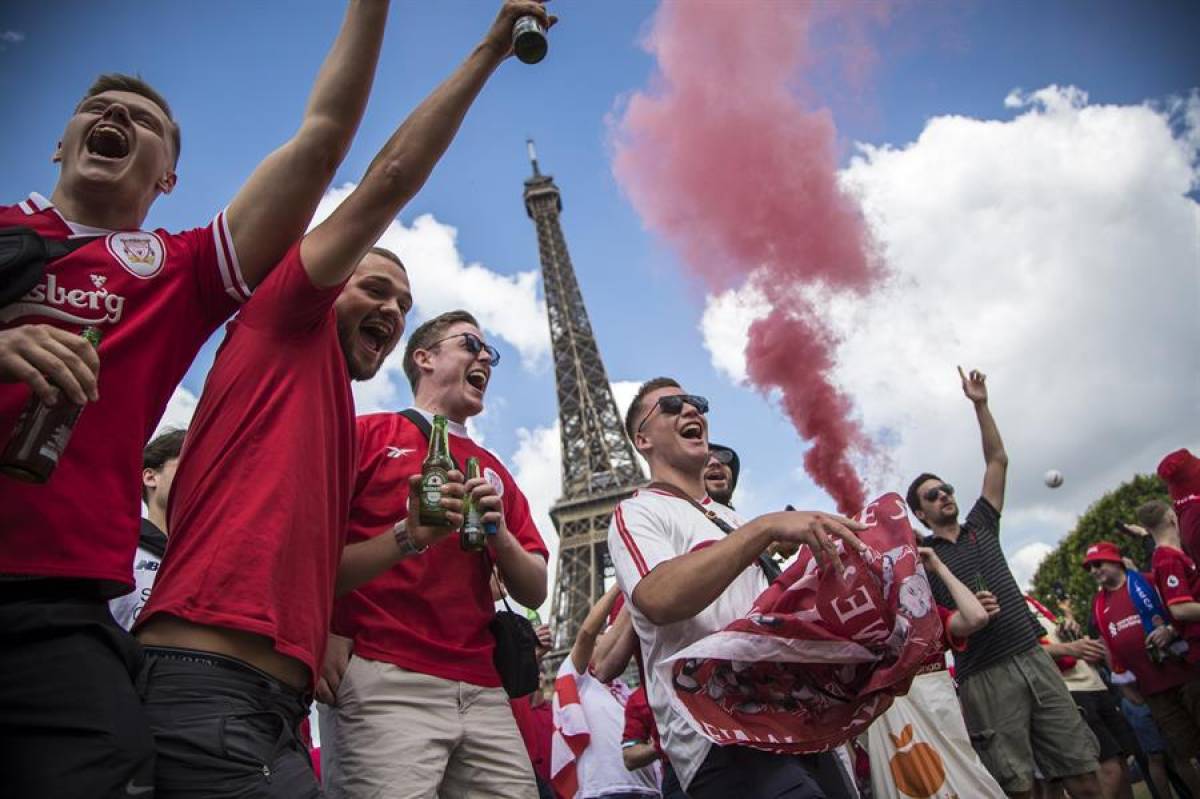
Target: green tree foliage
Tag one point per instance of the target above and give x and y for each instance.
(1062, 570)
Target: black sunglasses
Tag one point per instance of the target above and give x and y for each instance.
(473, 345)
(930, 494)
(673, 404)
(724, 456)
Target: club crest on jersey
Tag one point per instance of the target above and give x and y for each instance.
(141, 253)
(493, 478)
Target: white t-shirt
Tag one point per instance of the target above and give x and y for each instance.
(146, 560)
(600, 768)
(648, 528)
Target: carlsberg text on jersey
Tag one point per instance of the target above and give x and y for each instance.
(435, 471)
(42, 433)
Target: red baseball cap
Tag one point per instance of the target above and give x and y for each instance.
(1102, 551)
(1181, 472)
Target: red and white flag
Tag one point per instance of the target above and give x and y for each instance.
(571, 736)
(819, 656)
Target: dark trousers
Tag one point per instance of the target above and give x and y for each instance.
(224, 729)
(743, 773)
(71, 724)
(671, 789)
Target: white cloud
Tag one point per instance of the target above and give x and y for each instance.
(1024, 561)
(180, 409)
(1059, 253)
(10, 38)
(726, 324)
(537, 468)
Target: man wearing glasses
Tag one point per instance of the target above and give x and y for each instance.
(1015, 703)
(418, 708)
(689, 567)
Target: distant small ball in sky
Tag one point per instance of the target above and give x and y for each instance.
(1054, 478)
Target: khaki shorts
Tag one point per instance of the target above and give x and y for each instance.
(1177, 714)
(1018, 713)
(399, 734)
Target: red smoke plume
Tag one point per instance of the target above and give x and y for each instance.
(725, 161)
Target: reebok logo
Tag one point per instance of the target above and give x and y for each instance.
(397, 452)
(68, 305)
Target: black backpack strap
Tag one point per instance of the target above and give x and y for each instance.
(422, 424)
(23, 258)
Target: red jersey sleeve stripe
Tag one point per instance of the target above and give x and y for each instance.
(227, 262)
(1180, 600)
(638, 560)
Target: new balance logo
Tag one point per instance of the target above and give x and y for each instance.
(397, 452)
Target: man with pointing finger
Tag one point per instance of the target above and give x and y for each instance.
(1016, 706)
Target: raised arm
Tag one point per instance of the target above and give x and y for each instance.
(333, 249)
(680, 588)
(970, 616)
(273, 208)
(589, 631)
(613, 660)
(995, 459)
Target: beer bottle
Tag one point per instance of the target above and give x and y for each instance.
(42, 433)
(472, 538)
(435, 472)
(981, 583)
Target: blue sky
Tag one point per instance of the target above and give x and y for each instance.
(237, 75)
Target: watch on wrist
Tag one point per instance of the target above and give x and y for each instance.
(404, 542)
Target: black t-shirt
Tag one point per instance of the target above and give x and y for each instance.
(977, 554)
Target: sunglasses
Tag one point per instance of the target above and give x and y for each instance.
(930, 494)
(723, 456)
(474, 345)
(673, 404)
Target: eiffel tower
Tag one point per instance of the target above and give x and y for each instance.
(598, 464)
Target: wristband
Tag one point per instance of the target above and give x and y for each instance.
(403, 542)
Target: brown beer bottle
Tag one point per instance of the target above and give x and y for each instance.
(42, 433)
(472, 538)
(435, 472)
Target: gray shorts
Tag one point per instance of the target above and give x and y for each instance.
(1019, 712)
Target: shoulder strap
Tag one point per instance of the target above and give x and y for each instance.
(58, 248)
(415, 416)
(769, 566)
(710, 515)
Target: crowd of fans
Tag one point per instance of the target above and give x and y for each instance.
(283, 557)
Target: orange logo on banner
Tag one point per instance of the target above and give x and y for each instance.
(919, 770)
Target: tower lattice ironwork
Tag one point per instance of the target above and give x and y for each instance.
(599, 468)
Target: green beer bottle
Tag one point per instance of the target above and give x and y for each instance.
(435, 472)
(472, 538)
(42, 433)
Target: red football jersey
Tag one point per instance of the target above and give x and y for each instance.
(1178, 580)
(1127, 645)
(428, 613)
(260, 499)
(156, 297)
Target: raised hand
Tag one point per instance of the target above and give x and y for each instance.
(930, 559)
(974, 385)
(499, 36)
